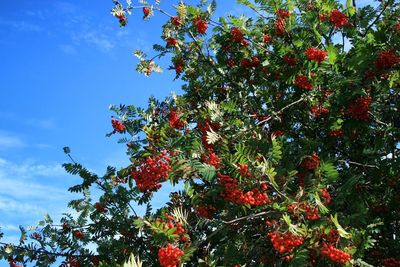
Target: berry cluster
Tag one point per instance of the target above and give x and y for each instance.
(290, 60)
(303, 82)
(325, 194)
(78, 234)
(316, 55)
(267, 38)
(176, 21)
(13, 263)
(247, 63)
(282, 13)
(311, 213)
(336, 133)
(359, 109)
(237, 35)
(204, 127)
(318, 110)
(332, 237)
(244, 170)
(100, 208)
(334, 254)
(211, 159)
(391, 262)
(151, 172)
(206, 211)
(169, 256)
(231, 192)
(311, 162)
(180, 231)
(201, 25)
(117, 125)
(175, 121)
(146, 12)
(285, 242)
(171, 41)
(337, 18)
(387, 59)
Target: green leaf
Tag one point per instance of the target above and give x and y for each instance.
(329, 170)
(340, 229)
(332, 54)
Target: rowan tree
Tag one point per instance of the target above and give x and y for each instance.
(285, 142)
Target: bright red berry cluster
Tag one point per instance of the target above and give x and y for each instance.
(311, 162)
(201, 26)
(176, 21)
(318, 110)
(338, 19)
(212, 159)
(311, 212)
(303, 82)
(180, 231)
(267, 38)
(152, 172)
(285, 242)
(206, 211)
(246, 63)
(359, 109)
(387, 59)
(327, 197)
(146, 12)
(99, 207)
(279, 26)
(316, 55)
(232, 192)
(117, 125)
(204, 127)
(282, 13)
(334, 254)
(175, 121)
(78, 234)
(290, 60)
(391, 262)
(170, 256)
(171, 41)
(237, 35)
(244, 170)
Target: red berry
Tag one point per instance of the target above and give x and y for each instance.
(169, 256)
(337, 18)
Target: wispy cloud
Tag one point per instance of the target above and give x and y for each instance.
(8, 141)
(27, 169)
(92, 37)
(21, 25)
(41, 123)
(68, 49)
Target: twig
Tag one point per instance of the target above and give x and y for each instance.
(376, 19)
(359, 164)
(377, 120)
(251, 216)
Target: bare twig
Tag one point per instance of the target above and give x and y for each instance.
(359, 164)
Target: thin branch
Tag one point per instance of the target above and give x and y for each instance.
(251, 216)
(359, 164)
(376, 19)
(377, 120)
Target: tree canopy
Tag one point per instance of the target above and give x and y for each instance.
(284, 143)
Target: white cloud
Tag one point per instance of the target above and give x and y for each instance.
(28, 169)
(21, 25)
(8, 141)
(41, 123)
(99, 40)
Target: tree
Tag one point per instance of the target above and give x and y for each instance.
(286, 140)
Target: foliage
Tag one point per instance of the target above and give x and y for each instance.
(286, 140)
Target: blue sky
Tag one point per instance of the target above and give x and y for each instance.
(62, 64)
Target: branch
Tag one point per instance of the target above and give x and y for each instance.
(377, 120)
(359, 164)
(251, 216)
(376, 19)
(301, 99)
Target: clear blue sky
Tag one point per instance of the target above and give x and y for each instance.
(62, 64)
